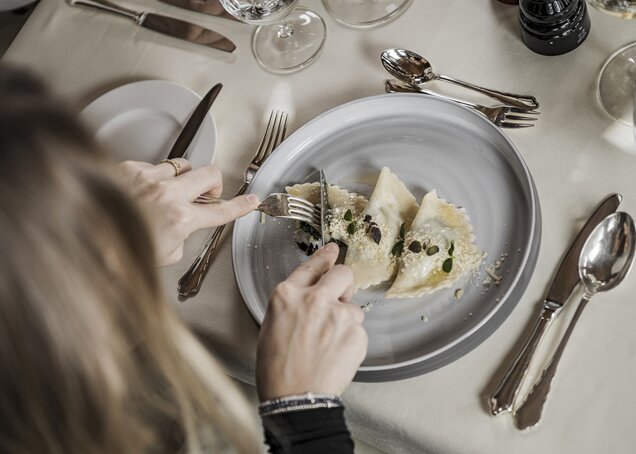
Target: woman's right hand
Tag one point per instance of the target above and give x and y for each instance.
(312, 339)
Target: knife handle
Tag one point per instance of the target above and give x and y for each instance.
(109, 6)
(504, 396)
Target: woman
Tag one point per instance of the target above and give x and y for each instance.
(93, 358)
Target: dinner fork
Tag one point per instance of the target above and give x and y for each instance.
(502, 116)
(281, 205)
(190, 283)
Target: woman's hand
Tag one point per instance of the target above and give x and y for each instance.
(168, 202)
(312, 339)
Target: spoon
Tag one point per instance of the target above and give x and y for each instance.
(605, 260)
(415, 69)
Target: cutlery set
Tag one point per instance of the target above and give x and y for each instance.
(599, 258)
(412, 71)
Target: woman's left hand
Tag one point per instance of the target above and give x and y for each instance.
(168, 199)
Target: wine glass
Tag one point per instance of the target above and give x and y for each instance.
(617, 77)
(364, 13)
(287, 39)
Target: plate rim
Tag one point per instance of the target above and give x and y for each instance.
(481, 331)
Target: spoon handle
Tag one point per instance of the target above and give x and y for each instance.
(521, 101)
(529, 413)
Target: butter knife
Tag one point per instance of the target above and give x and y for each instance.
(166, 25)
(194, 122)
(563, 283)
(209, 7)
(324, 206)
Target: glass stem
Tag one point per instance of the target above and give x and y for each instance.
(285, 30)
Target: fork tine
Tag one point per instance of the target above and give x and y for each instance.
(515, 125)
(523, 111)
(520, 117)
(301, 210)
(260, 152)
(301, 201)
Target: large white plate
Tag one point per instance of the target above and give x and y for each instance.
(430, 144)
(141, 121)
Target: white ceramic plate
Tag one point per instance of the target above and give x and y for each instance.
(141, 121)
(430, 144)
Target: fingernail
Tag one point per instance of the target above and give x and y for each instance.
(331, 247)
(252, 198)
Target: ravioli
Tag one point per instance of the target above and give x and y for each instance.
(439, 248)
(369, 253)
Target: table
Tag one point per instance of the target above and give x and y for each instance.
(576, 154)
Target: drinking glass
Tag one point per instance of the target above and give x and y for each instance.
(287, 39)
(616, 80)
(364, 13)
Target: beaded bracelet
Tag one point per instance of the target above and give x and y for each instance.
(300, 402)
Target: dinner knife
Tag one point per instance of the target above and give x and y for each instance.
(324, 206)
(194, 122)
(210, 7)
(563, 283)
(166, 25)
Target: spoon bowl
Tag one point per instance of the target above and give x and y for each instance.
(407, 66)
(608, 253)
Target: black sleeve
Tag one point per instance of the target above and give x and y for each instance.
(310, 431)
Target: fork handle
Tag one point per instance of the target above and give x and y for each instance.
(511, 99)
(190, 283)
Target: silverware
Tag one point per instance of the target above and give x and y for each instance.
(209, 7)
(194, 122)
(502, 116)
(324, 206)
(166, 25)
(281, 205)
(190, 282)
(562, 286)
(605, 260)
(415, 69)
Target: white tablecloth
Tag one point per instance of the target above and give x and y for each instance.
(576, 154)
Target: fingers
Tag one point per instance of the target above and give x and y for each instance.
(338, 282)
(313, 269)
(207, 179)
(217, 214)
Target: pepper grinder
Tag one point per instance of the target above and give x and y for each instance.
(553, 27)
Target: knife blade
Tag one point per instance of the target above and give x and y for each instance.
(194, 122)
(563, 283)
(166, 25)
(209, 7)
(324, 206)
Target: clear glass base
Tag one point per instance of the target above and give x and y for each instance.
(291, 44)
(617, 85)
(364, 13)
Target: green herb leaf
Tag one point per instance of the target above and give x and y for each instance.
(447, 266)
(415, 247)
(398, 248)
(351, 228)
(348, 216)
(402, 230)
(432, 250)
(451, 249)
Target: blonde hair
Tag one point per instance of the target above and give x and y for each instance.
(93, 357)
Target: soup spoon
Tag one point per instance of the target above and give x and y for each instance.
(415, 69)
(605, 260)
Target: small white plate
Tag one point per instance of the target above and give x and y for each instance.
(141, 121)
(430, 144)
